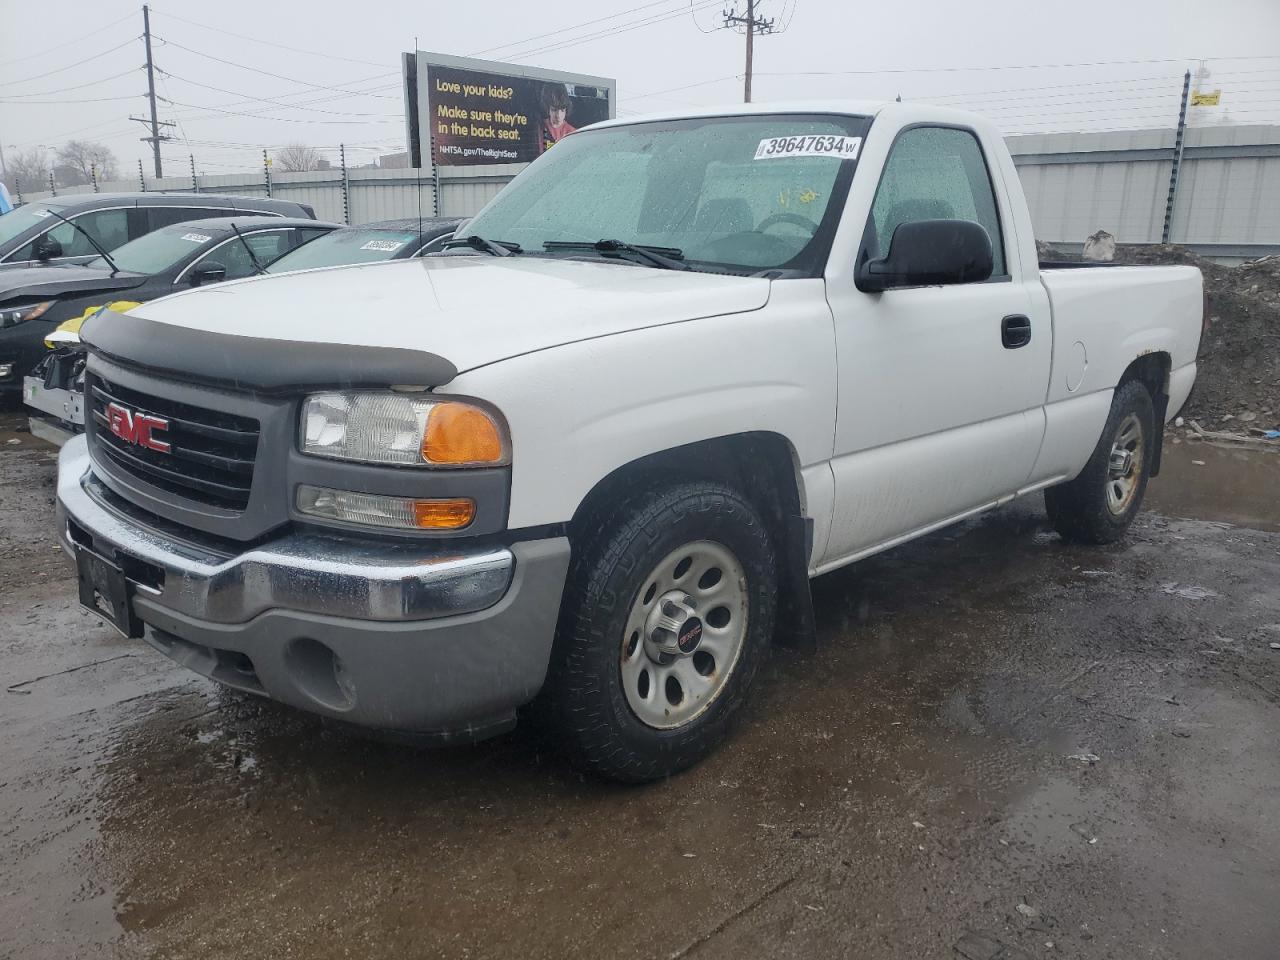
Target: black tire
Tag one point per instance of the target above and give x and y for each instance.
(1081, 510)
(583, 705)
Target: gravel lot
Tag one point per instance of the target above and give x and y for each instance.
(1005, 747)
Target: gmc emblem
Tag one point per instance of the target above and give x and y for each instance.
(139, 428)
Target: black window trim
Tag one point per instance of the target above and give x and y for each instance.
(863, 249)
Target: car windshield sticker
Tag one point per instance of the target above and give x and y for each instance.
(42, 213)
(196, 237)
(386, 246)
(845, 148)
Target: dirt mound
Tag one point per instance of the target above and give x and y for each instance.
(1239, 361)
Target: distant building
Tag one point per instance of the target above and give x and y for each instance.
(394, 161)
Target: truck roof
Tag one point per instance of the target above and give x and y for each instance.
(908, 111)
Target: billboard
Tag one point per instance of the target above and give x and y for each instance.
(462, 111)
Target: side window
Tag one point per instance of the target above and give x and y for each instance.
(159, 217)
(306, 235)
(935, 173)
(109, 227)
(232, 254)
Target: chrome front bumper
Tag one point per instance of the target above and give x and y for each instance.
(423, 638)
(328, 575)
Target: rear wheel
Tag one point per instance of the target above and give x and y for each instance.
(667, 615)
(1099, 505)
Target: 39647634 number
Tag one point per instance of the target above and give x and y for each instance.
(809, 145)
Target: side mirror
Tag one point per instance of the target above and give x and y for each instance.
(47, 248)
(211, 271)
(928, 253)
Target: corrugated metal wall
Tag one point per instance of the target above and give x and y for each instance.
(1228, 189)
(1076, 183)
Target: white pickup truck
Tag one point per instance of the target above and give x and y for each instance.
(588, 459)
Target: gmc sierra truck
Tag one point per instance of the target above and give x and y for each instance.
(587, 459)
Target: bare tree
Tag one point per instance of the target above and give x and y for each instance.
(78, 160)
(27, 170)
(296, 157)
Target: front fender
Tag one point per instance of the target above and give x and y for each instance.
(580, 411)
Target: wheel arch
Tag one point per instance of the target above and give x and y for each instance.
(764, 467)
(1152, 371)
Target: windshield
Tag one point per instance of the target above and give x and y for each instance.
(158, 250)
(742, 194)
(359, 245)
(21, 219)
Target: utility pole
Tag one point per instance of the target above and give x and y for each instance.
(151, 89)
(751, 23)
(154, 123)
(1178, 140)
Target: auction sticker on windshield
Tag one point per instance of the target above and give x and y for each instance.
(196, 237)
(815, 145)
(385, 246)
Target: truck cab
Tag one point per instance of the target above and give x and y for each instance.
(587, 459)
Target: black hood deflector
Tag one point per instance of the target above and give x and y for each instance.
(258, 364)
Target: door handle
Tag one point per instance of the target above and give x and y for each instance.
(1015, 331)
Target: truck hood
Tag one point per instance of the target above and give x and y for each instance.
(59, 281)
(470, 311)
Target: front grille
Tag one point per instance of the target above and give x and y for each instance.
(211, 454)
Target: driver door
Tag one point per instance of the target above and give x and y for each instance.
(936, 415)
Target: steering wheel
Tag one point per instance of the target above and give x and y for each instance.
(794, 219)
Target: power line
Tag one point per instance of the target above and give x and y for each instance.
(79, 63)
(72, 133)
(259, 116)
(41, 103)
(251, 98)
(268, 73)
(687, 86)
(269, 43)
(1023, 66)
(612, 31)
(322, 99)
(79, 86)
(92, 35)
(576, 26)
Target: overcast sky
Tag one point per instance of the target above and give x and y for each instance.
(74, 69)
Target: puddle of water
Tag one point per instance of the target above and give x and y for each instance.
(1228, 485)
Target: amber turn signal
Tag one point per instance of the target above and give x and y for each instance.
(451, 514)
(462, 435)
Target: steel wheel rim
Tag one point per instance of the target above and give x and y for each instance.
(667, 691)
(1124, 465)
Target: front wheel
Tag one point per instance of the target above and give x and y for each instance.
(1099, 504)
(668, 613)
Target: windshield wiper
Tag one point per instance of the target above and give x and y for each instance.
(88, 236)
(257, 267)
(668, 258)
(498, 248)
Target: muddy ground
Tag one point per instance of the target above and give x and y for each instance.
(916, 789)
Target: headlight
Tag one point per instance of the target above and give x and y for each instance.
(16, 315)
(394, 428)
